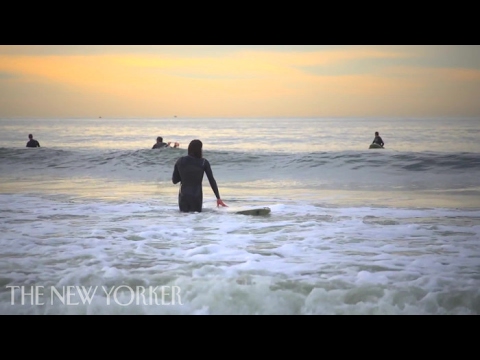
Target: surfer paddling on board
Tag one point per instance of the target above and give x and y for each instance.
(188, 171)
(378, 140)
(160, 144)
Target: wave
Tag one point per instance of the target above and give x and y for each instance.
(427, 168)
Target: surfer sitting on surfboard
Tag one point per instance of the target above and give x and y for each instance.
(378, 140)
(188, 171)
(160, 144)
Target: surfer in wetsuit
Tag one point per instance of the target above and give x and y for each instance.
(160, 144)
(32, 142)
(378, 140)
(189, 170)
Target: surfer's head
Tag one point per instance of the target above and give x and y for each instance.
(195, 148)
(30, 136)
(376, 133)
(159, 139)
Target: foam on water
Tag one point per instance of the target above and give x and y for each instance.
(301, 259)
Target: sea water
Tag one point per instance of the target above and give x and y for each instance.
(89, 222)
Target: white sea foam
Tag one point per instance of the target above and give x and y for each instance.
(301, 259)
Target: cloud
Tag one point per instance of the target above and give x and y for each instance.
(234, 81)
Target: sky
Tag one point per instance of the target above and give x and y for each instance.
(239, 81)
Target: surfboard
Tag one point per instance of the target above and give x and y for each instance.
(254, 211)
(246, 210)
(376, 146)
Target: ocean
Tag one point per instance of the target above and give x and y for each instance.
(90, 221)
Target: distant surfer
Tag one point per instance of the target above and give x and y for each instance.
(160, 144)
(188, 171)
(378, 140)
(32, 142)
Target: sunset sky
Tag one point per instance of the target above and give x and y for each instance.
(162, 81)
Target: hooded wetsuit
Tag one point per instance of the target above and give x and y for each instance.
(189, 172)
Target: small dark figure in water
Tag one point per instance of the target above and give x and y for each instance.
(378, 140)
(32, 142)
(189, 172)
(160, 144)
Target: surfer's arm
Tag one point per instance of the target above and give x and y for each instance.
(213, 184)
(211, 179)
(176, 175)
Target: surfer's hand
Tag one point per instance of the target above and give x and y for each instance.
(221, 203)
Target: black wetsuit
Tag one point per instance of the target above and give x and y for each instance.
(378, 140)
(33, 143)
(189, 172)
(160, 145)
